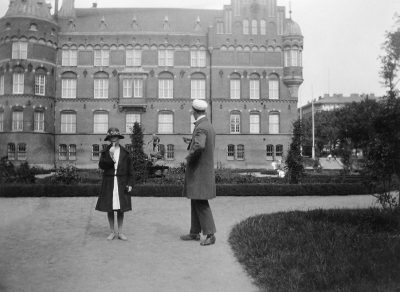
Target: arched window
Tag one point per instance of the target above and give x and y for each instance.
(240, 152)
(273, 86)
(165, 85)
(11, 151)
(165, 122)
(235, 86)
(254, 30)
(101, 85)
(21, 154)
(235, 122)
(254, 86)
(18, 120)
(263, 27)
(274, 122)
(245, 26)
(100, 122)
(68, 122)
(38, 121)
(18, 80)
(198, 86)
(68, 85)
(40, 82)
(62, 152)
(170, 152)
(279, 151)
(270, 152)
(231, 152)
(254, 123)
(130, 119)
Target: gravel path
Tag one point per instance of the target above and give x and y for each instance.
(59, 244)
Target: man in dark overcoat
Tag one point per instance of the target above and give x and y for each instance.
(199, 184)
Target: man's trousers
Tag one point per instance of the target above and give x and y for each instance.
(201, 218)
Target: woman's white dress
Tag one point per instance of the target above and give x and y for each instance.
(116, 205)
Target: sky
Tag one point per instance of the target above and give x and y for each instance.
(342, 39)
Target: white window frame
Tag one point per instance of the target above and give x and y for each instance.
(100, 88)
(165, 88)
(20, 50)
(62, 152)
(234, 123)
(254, 123)
(95, 152)
(18, 83)
(278, 152)
(220, 27)
(68, 123)
(235, 88)
(1, 121)
(245, 24)
(198, 88)
(198, 58)
(165, 123)
(1, 84)
(254, 88)
(38, 121)
(166, 57)
(269, 157)
(69, 58)
(254, 27)
(40, 84)
(17, 121)
(101, 58)
(71, 149)
(127, 88)
(273, 89)
(21, 151)
(138, 88)
(133, 58)
(240, 152)
(170, 153)
(263, 27)
(11, 151)
(68, 88)
(273, 123)
(230, 152)
(100, 122)
(130, 119)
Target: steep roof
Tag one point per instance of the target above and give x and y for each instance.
(292, 28)
(141, 19)
(340, 99)
(29, 8)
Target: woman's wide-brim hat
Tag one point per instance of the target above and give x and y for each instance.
(113, 132)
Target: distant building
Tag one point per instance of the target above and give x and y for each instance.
(332, 102)
(65, 78)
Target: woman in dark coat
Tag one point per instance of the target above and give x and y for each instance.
(116, 187)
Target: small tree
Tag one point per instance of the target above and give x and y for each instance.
(294, 160)
(137, 154)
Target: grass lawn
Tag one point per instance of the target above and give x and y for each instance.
(321, 250)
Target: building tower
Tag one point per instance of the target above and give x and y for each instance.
(28, 49)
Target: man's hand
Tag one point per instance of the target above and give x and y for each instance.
(186, 140)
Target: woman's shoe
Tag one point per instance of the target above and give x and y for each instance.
(122, 237)
(111, 236)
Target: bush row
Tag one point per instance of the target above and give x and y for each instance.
(89, 190)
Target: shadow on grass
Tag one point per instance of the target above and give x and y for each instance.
(321, 250)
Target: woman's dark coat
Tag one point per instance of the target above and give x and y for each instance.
(125, 177)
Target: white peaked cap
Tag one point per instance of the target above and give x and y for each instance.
(199, 104)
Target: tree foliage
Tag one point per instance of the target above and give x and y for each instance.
(294, 160)
(137, 154)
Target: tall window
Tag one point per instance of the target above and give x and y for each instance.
(273, 88)
(133, 57)
(40, 83)
(240, 152)
(279, 151)
(11, 151)
(1, 121)
(274, 123)
(270, 152)
(165, 57)
(127, 88)
(198, 88)
(138, 88)
(254, 30)
(68, 85)
(170, 152)
(165, 123)
(20, 50)
(100, 88)
(101, 58)
(72, 152)
(263, 27)
(1, 84)
(18, 83)
(235, 124)
(231, 152)
(165, 86)
(69, 58)
(62, 152)
(235, 88)
(254, 123)
(68, 122)
(38, 121)
(21, 153)
(198, 58)
(100, 122)
(245, 26)
(220, 27)
(131, 118)
(254, 87)
(95, 151)
(18, 121)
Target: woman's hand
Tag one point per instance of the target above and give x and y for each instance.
(129, 189)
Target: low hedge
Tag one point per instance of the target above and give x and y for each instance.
(89, 190)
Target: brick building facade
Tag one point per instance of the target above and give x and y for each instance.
(65, 78)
